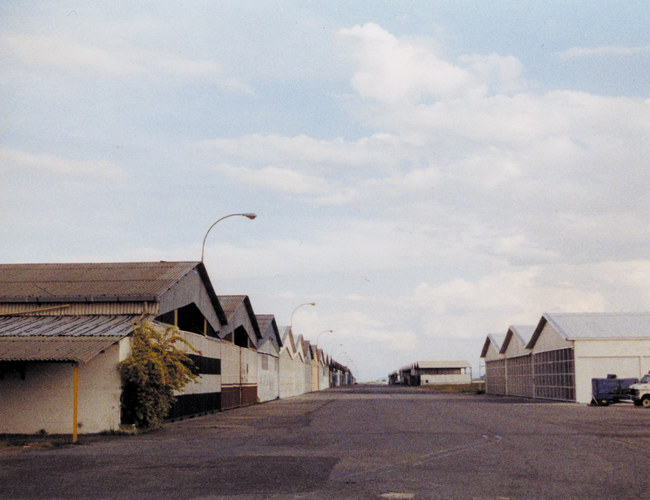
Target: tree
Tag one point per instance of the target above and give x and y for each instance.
(153, 372)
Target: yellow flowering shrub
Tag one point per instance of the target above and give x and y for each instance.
(155, 369)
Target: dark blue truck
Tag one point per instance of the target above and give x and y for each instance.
(605, 391)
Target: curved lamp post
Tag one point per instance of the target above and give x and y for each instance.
(248, 216)
(321, 333)
(292, 312)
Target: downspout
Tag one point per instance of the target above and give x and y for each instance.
(241, 381)
(75, 400)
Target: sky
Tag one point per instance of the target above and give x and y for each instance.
(426, 172)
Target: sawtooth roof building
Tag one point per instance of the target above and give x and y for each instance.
(64, 329)
(557, 358)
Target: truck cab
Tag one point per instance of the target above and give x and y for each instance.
(640, 391)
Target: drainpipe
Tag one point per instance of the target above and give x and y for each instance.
(75, 399)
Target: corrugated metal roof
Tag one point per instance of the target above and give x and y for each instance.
(264, 320)
(287, 339)
(602, 326)
(92, 282)
(496, 339)
(523, 334)
(268, 328)
(230, 303)
(66, 326)
(79, 308)
(77, 349)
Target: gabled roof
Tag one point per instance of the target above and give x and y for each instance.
(306, 345)
(592, 326)
(231, 303)
(441, 364)
(300, 347)
(288, 343)
(521, 333)
(92, 282)
(495, 339)
(269, 329)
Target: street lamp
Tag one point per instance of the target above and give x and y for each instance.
(321, 333)
(334, 350)
(292, 312)
(248, 216)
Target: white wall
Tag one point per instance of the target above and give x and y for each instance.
(452, 378)
(44, 400)
(324, 376)
(287, 375)
(549, 340)
(238, 366)
(598, 358)
(492, 353)
(209, 347)
(267, 377)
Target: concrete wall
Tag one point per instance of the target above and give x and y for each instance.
(209, 347)
(324, 376)
(268, 377)
(306, 381)
(315, 377)
(44, 400)
(238, 375)
(288, 374)
(515, 348)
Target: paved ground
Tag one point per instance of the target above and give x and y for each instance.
(361, 442)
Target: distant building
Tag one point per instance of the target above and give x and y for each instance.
(433, 373)
(65, 328)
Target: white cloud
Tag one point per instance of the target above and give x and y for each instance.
(521, 295)
(79, 58)
(275, 179)
(22, 161)
(499, 73)
(395, 71)
(378, 150)
(604, 50)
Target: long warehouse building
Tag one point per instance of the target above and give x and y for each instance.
(558, 358)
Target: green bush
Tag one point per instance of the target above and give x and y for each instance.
(155, 369)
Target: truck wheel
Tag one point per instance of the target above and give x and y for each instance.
(645, 402)
(603, 402)
(637, 402)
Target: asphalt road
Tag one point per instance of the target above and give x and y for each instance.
(359, 442)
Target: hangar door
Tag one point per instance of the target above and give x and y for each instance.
(554, 375)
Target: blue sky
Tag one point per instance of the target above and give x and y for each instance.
(426, 172)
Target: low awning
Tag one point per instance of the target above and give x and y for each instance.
(76, 349)
(60, 338)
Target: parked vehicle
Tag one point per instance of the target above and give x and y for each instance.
(640, 392)
(605, 391)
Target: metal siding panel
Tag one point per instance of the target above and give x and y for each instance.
(78, 309)
(68, 326)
